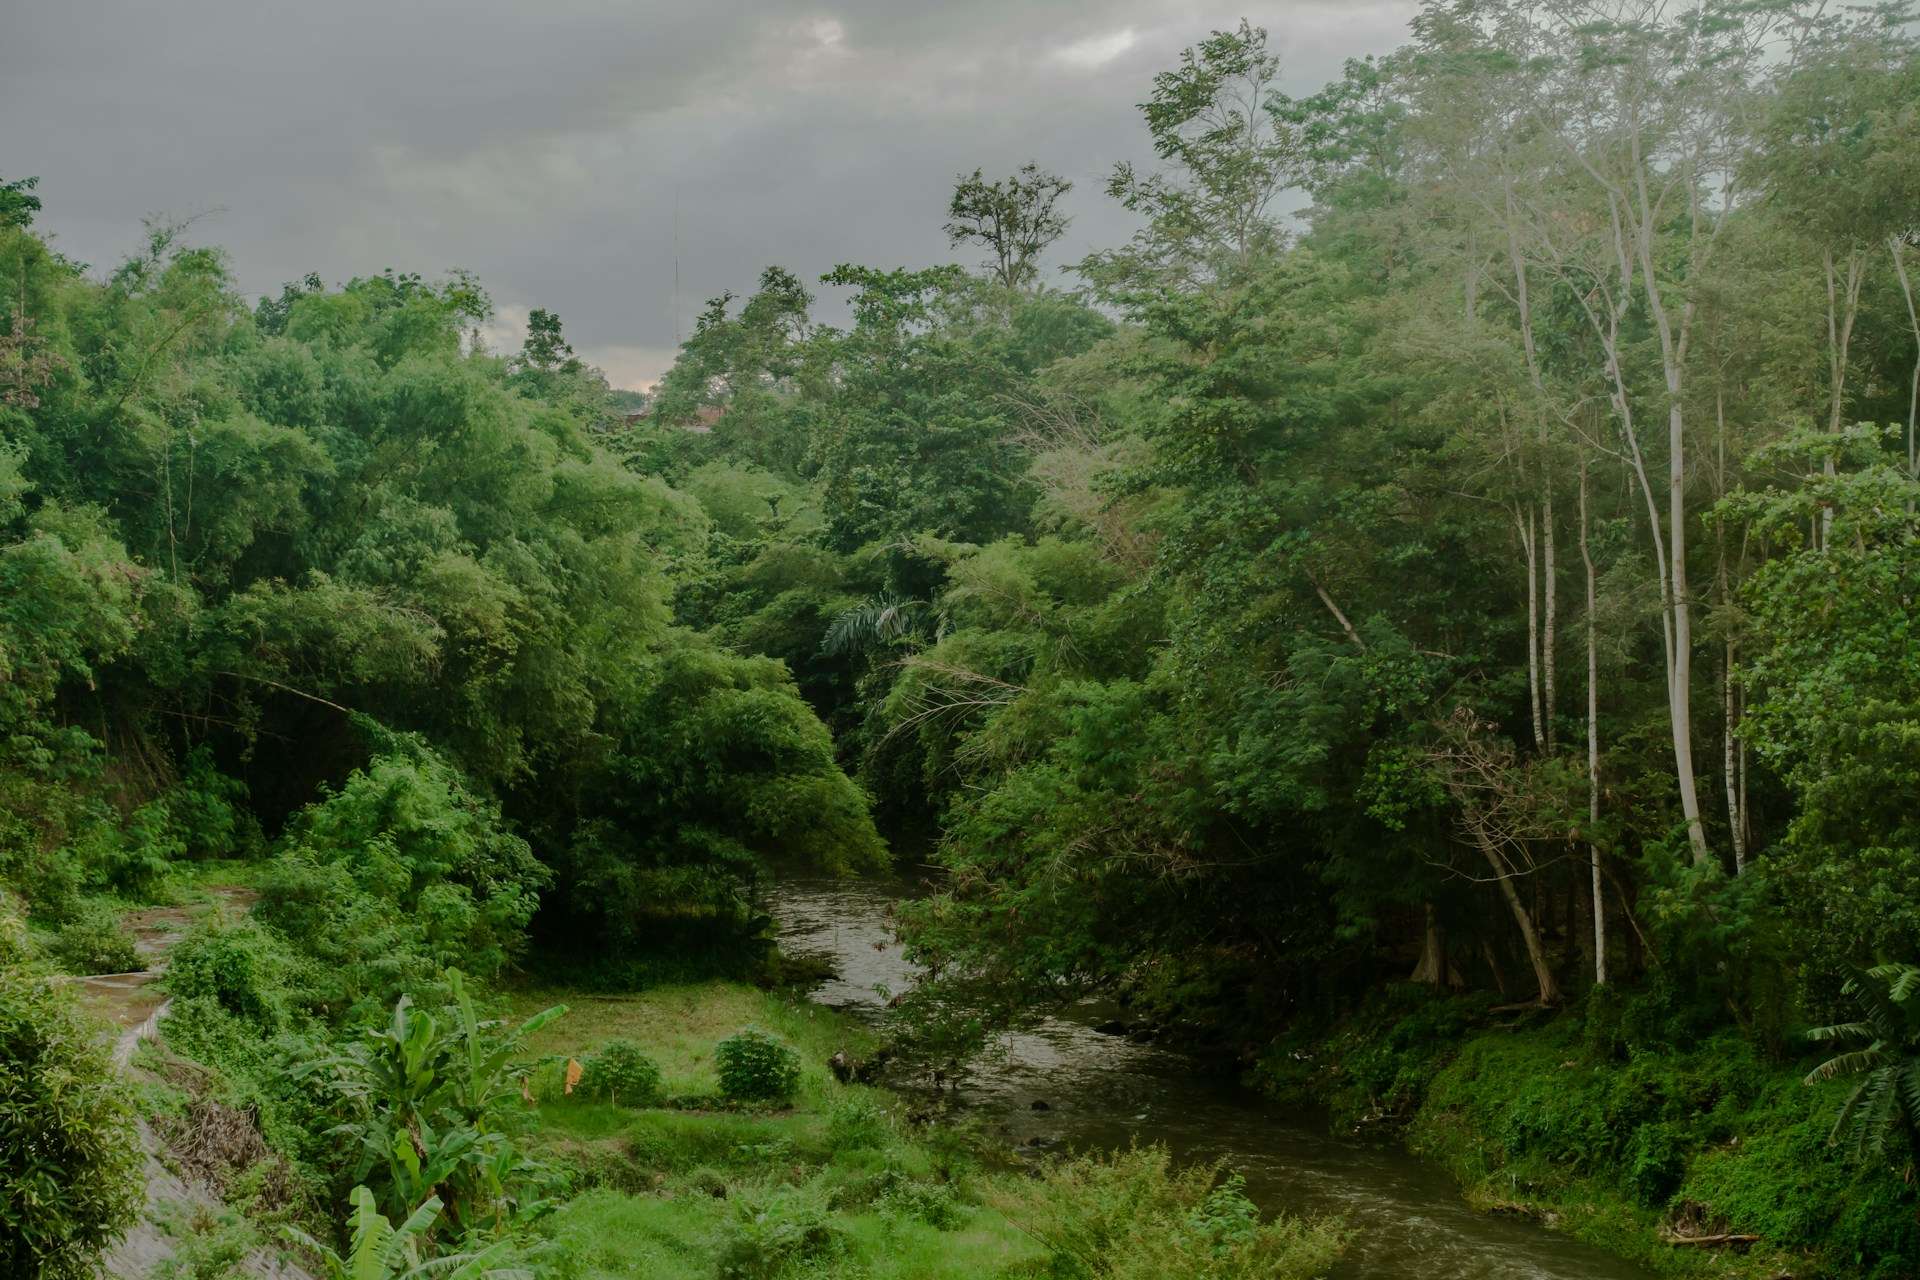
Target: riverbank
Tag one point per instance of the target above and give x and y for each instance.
(1066, 1082)
(679, 1179)
(1689, 1156)
(845, 1179)
(666, 1191)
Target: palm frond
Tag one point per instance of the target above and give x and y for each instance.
(1871, 1058)
(1903, 980)
(1883, 1111)
(879, 621)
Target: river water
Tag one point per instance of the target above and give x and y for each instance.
(1102, 1092)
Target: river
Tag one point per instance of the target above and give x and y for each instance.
(1102, 1091)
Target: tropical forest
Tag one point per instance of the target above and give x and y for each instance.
(1368, 728)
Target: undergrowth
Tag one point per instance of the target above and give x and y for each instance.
(1618, 1122)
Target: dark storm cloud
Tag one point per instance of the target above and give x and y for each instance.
(547, 146)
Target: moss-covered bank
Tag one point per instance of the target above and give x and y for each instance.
(1610, 1122)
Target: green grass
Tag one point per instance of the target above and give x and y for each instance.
(606, 1234)
(664, 1191)
(194, 882)
(679, 1025)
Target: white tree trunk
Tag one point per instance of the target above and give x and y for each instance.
(1593, 744)
(1529, 547)
(1730, 765)
(1549, 626)
(1897, 245)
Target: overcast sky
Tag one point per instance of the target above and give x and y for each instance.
(545, 145)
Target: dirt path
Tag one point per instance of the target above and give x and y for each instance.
(136, 1007)
(131, 1001)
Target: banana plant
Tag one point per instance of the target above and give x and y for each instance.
(432, 1110)
(378, 1250)
(1883, 1111)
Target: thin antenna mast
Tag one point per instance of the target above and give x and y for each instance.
(676, 267)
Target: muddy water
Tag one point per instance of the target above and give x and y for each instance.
(1102, 1091)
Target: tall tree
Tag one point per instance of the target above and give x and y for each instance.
(1013, 218)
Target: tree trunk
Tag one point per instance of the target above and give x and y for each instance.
(1593, 744)
(1681, 692)
(1549, 629)
(1433, 969)
(1529, 935)
(1674, 341)
(1842, 307)
(1493, 966)
(1529, 547)
(1897, 244)
(1730, 766)
(1728, 719)
(1523, 303)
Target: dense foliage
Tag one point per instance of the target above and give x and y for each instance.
(69, 1164)
(1495, 579)
(337, 525)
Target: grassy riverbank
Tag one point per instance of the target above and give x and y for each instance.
(695, 1187)
(844, 1181)
(1598, 1123)
(836, 1178)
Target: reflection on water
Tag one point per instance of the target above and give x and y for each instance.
(1102, 1091)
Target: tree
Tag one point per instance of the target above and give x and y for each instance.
(70, 1180)
(546, 349)
(1216, 122)
(18, 204)
(1013, 218)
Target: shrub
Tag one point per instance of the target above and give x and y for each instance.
(621, 1073)
(147, 850)
(858, 1123)
(209, 811)
(1655, 1165)
(208, 1244)
(771, 1232)
(756, 1067)
(402, 873)
(382, 1251)
(93, 941)
(1132, 1216)
(434, 1106)
(935, 1204)
(69, 1158)
(237, 965)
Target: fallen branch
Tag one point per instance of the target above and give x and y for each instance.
(1710, 1242)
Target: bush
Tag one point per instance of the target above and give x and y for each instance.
(237, 965)
(209, 811)
(769, 1233)
(434, 1106)
(402, 873)
(858, 1123)
(1132, 1216)
(1655, 1165)
(69, 1157)
(935, 1204)
(621, 1073)
(93, 941)
(756, 1067)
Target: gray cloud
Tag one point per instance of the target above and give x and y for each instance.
(547, 146)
